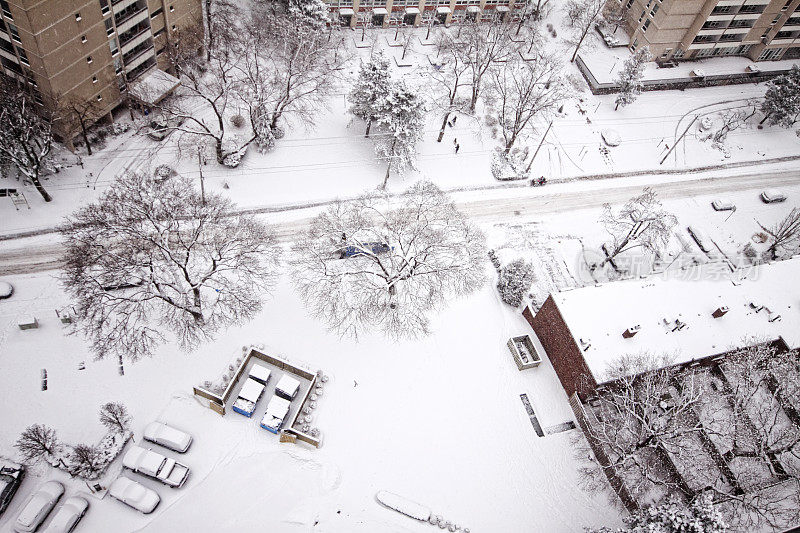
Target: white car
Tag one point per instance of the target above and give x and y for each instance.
(723, 205)
(38, 507)
(167, 436)
(134, 494)
(157, 466)
(68, 516)
(772, 195)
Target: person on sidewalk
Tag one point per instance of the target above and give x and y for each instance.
(458, 147)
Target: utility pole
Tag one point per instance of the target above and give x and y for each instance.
(200, 167)
(678, 140)
(540, 145)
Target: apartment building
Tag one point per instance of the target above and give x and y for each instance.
(381, 13)
(694, 29)
(88, 50)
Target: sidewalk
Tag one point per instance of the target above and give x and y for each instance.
(601, 65)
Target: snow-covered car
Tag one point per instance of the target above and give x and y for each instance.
(700, 238)
(772, 195)
(38, 507)
(260, 373)
(11, 476)
(723, 205)
(6, 290)
(167, 436)
(251, 392)
(287, 387)
(277, 409)
(157, 466)
(134, 494)
(68, 516)
(162, 127)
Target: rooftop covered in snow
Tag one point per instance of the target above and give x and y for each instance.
(153, 87)
(684, 319)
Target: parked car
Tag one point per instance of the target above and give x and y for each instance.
(723, 205)
(771, 196)
(6, 290)
(68, 516)
(700, 238)
(167, 436)
(160, 128)
(38, 507)
(277, 409)
(11, 476)
(157, 466)
(134, 494)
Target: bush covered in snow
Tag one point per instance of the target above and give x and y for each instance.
(515, 279)
(508, 167)
(235, 152)
(163, 171)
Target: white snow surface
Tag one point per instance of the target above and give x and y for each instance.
(599, 315)
(394, 414)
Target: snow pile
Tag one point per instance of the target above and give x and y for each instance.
(403, 505)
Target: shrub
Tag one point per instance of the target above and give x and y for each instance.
(515, 279)
(237, 120)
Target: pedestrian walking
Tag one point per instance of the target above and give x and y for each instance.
(455, 117)
(455, 141)
(458, 147)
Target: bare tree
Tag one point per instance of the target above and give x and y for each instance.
(630, 77)
(615, 13)
(401, 124)
(289, 67)
(208, 91)
(641, 223)
(80, 112)
(86, 461)
(377, 264)
(115, 417)
(219, 16)
(728, 429)
(524, 91)
(582, 16)
(39, 442)
(450, 74)
(785, 233)
(732, 120)
(153, 256)
(27, 136)
(482, 49)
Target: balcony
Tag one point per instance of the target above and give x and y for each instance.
(132, 21)
(138, 55)
(137, 40)
(124, 15)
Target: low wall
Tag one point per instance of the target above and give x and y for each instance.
(712, 80)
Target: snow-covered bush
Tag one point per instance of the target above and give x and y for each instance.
(508, 167)
(118, 128)
(163, 171)
(515, 279)
(234, 152)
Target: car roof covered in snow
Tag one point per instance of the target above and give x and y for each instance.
(287, 384)
(278, 407)
(162, 432)
(143, 459)
(260, 372)
(763, 304)
(251, 390)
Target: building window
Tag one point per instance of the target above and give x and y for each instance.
(94, 79)
(629, 4)
(655, 10)
(783, 35)
(14, 32)
(712, 24)
(786, 5)
(109, 26)
(752, 8)
(678, 53)
(174, 27)
(112, 44)
(159, 32)
(89, 59)
(156, 13)
(171, 9)
(641, 17)
(645, 25)
(77, 17)
(722, 9)
(99, 98)
(633, 45)
(104, 7)
(6, 9)
(83, 39)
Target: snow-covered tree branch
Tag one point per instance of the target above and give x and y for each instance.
(151, 257)
(384, 263)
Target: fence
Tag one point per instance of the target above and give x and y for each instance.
(711, 80)
(217, 403)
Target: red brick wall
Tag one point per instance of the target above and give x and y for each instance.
(563, 352)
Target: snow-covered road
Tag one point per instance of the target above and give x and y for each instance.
(40, 254)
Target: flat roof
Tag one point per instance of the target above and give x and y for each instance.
(763, 304)
(153, 87)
